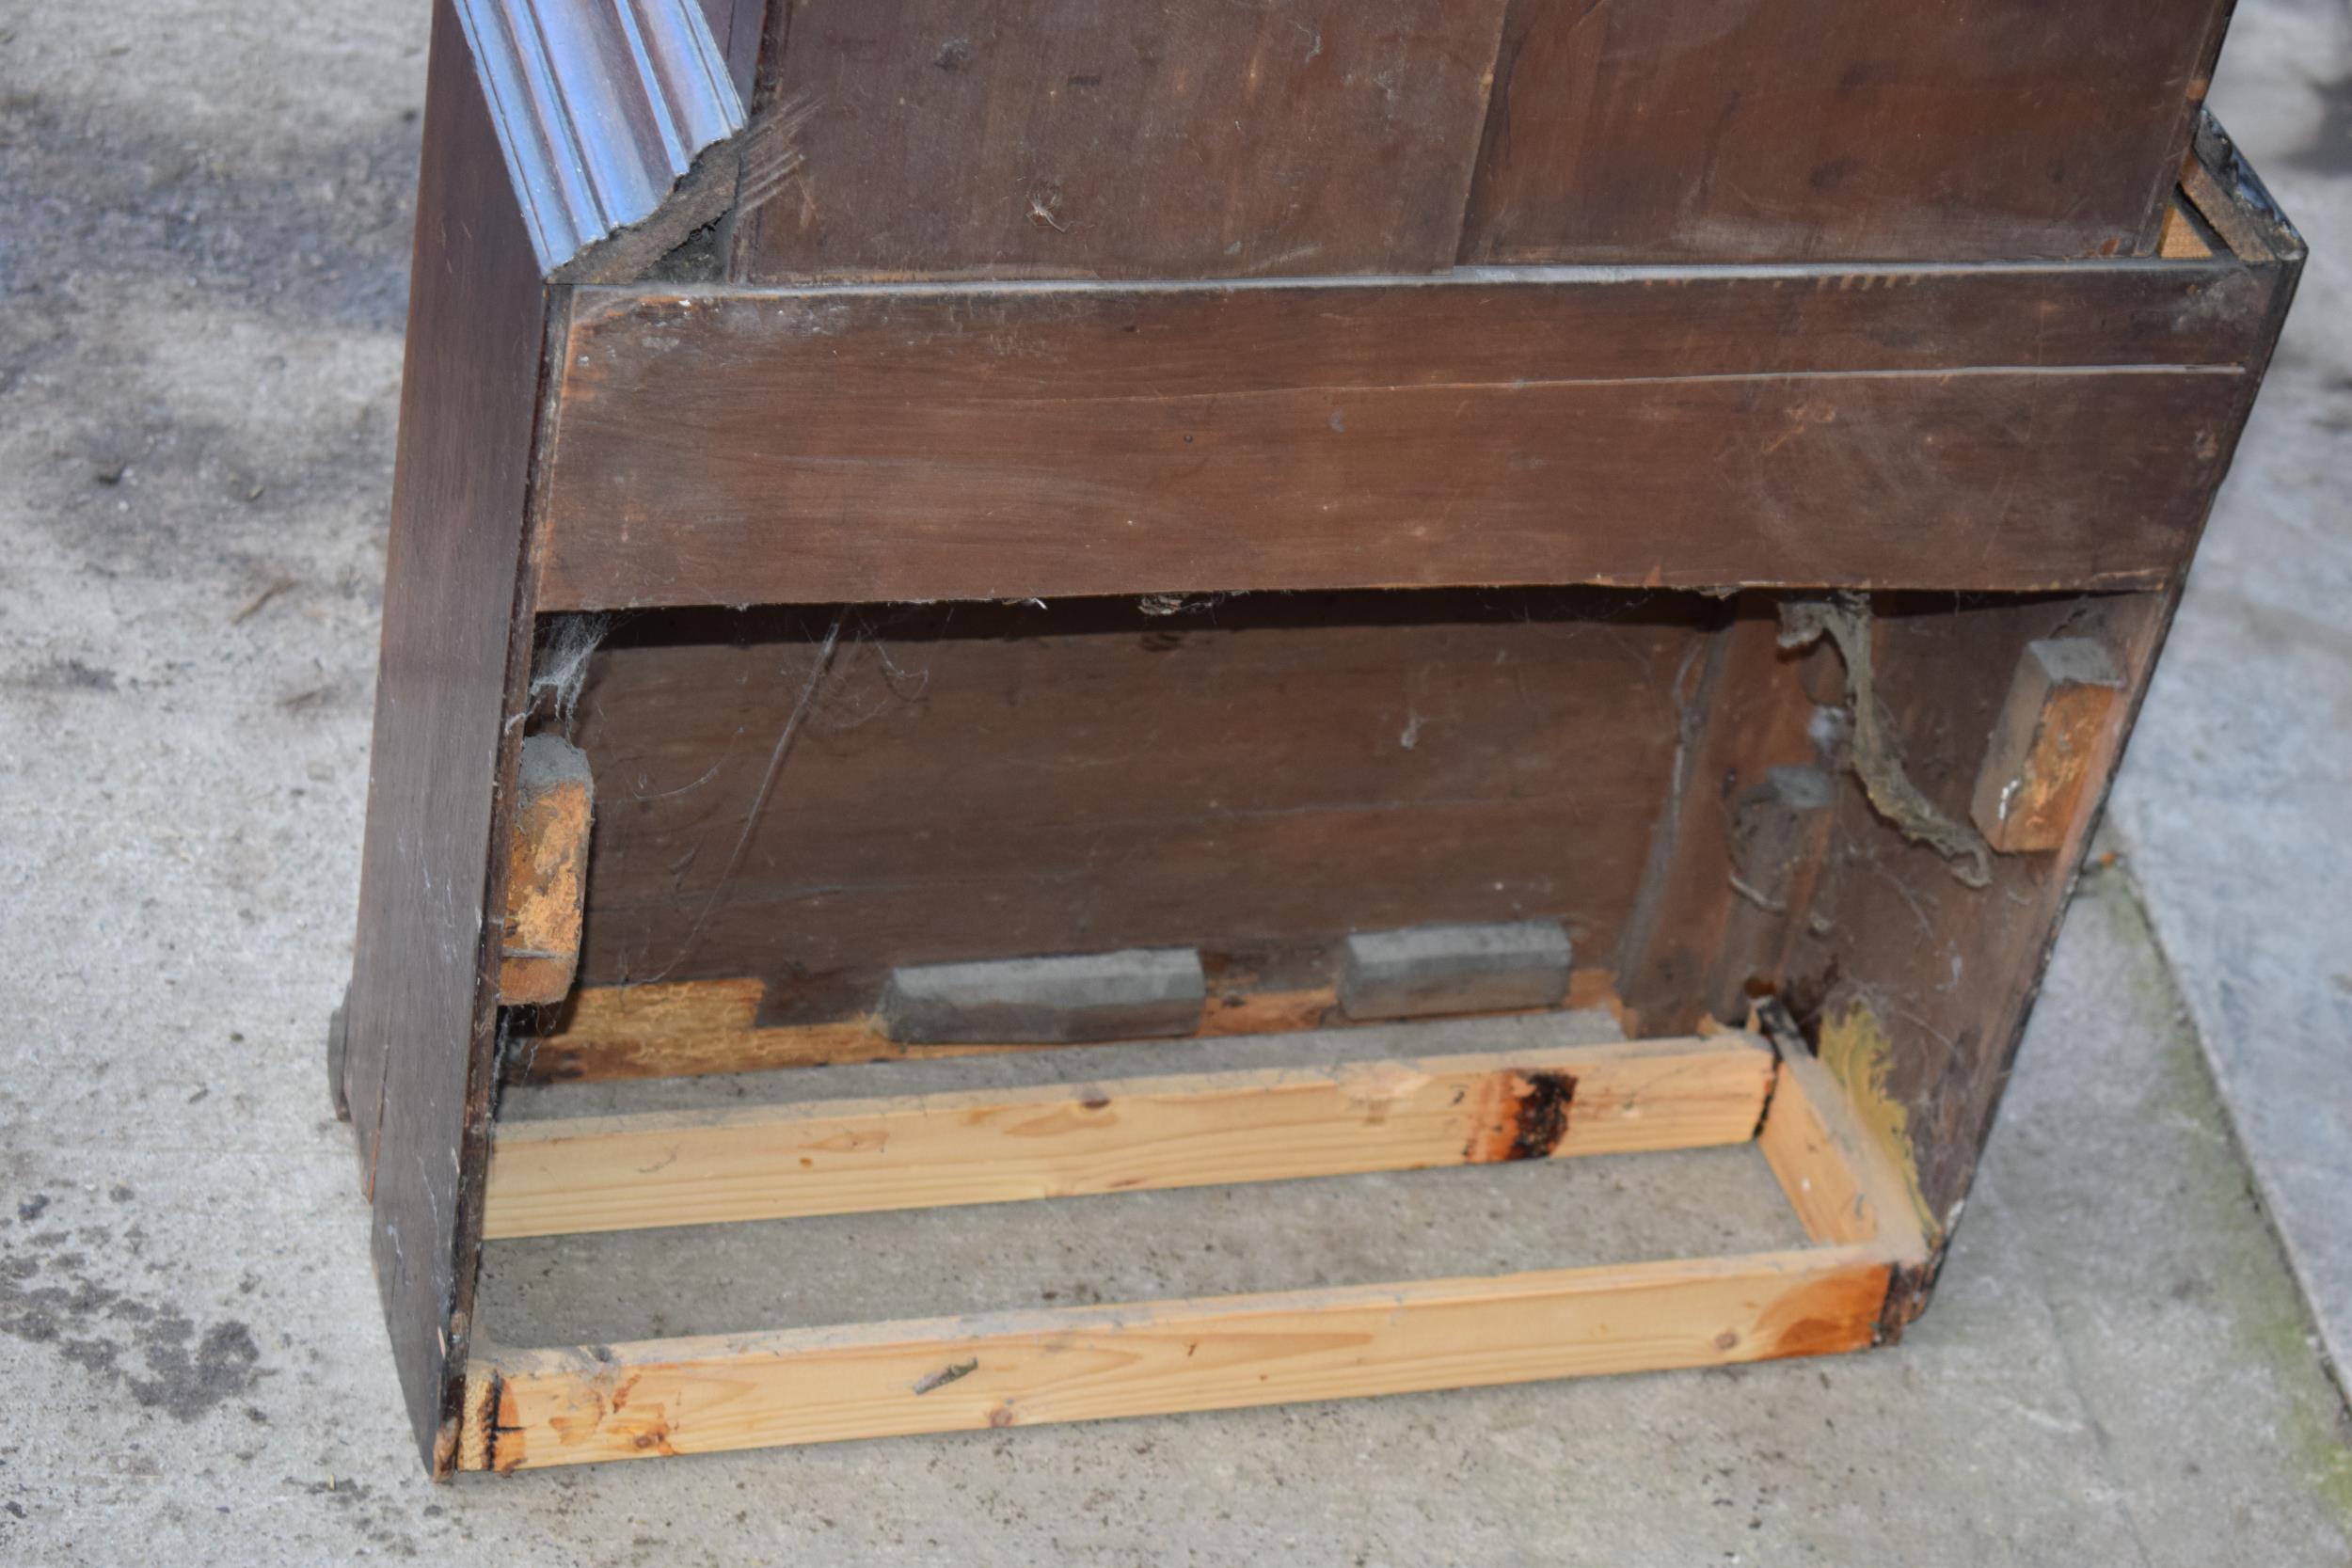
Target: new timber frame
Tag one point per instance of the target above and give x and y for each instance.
(1759, 597)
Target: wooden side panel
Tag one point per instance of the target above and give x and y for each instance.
(1255, 778)
(1914, 983)
(418, 1065)
(546, 872)
(1994, 428)
(1178, 139)
(845, 1157)
(1786, 130)
(535, 1408)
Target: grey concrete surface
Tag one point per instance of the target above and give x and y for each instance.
(203, 232)
(2237, 797)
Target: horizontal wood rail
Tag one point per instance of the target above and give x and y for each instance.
(532, 1409)
(660, 1169)
(1992, 427)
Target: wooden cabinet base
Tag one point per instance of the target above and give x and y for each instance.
(1194, 544)
(529, 1408)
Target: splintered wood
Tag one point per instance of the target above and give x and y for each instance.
(546, 872)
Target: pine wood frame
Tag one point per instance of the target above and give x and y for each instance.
(528, 1408)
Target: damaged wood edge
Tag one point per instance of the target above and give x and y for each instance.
(691, 1028)
(2226, 192)
(603, 112)
(665, 1168)
(535, 1408)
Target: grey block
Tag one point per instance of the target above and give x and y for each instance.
(1426, 970)
(1138, 993)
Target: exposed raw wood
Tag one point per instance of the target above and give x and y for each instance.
(601, 110)
(2179, 240)
(546, 871)
(629, 1172)
(1020, 1369)
(682, 1029)
(1843, 1184)
(2230, 197)
(1814, 129)
(419, 1017)
(2046, 426)
(1947, 972)
(2059, 708)
(2243, 232)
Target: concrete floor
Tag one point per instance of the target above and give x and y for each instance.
(201, 284)
(2236, 798)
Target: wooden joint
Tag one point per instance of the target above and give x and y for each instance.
(1855, 1286)
(547, 875)
(2060, 705)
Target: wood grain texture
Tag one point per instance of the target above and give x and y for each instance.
(421, 1005)
(1915, 986)
(686, 1028)
(546, 872)
(1254, 778)
(1176, 138)
(1844, 1187)
(837, 1157)
(1020, 1369)
(1733, 129)
(1968, 428)
(2035, 770)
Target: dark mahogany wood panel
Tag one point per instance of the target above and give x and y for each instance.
(1933, 977)
(1793, 130)
(1179, 138)
(423, 999)
(1993, 428)
(1253, 777)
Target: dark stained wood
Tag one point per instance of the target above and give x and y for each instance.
(1798, 130)
(420, 1009)
(1257, 778)
(1921, 983)
(1897, 951)
(1969, 428)
(2030, 788)
(1742, 714)
(1177, 138)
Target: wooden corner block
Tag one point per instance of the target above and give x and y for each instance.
(2043, 744)
(546, 871)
